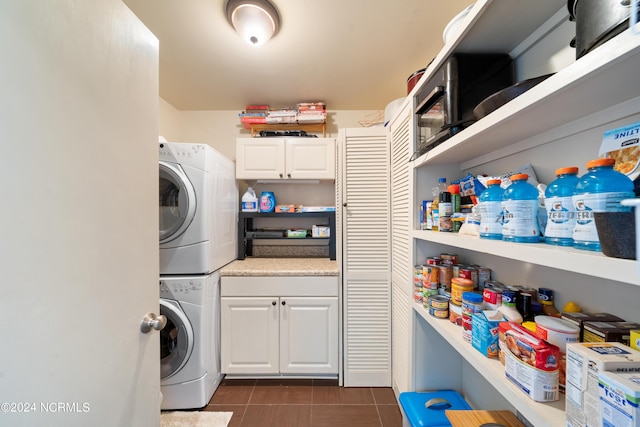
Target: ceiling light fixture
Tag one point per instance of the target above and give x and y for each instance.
(255, 20)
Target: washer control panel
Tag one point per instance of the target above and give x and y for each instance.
(177, 289)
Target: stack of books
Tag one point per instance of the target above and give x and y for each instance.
(284, 115)
(311, 112)
(303, 113)
(254, 114)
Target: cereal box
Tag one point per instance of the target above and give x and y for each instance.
(619, 399)
(585, 361)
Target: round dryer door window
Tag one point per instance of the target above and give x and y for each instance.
(177, 201)
(176, 339)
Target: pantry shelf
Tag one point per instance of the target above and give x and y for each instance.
(539, 414)
(563, 258)
(246, 224)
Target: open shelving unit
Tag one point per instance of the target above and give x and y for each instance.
(246, 223)
(558, 121)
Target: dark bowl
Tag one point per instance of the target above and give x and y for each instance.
(617, 233)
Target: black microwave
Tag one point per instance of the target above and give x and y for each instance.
(444, 105)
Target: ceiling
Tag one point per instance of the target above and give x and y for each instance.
(351, 54)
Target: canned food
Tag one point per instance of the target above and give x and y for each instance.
(484, 275)
(449, 259)
(430, 274)
(444, 276)
(455, 269)
(466, 327)
(439, 313)
(434, 260)
(417, 274)
(469, 272)
(455, 314)
(439, 302)
(459, 285)
(493, 284)
(492, 297)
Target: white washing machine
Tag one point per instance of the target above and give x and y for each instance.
(190, 342)
(198, 209)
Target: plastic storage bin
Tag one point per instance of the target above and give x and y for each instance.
(427, 409)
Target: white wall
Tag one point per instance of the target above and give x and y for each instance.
(221, 128)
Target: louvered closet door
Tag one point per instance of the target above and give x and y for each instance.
(401, 267)
(366, 255)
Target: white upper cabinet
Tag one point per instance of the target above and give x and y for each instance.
(285, 158)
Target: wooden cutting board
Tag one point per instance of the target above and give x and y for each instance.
(477, 418)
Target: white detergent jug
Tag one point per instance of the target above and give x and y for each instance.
(249, 201)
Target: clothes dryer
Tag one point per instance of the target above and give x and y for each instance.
(190, 342)
(198, 201)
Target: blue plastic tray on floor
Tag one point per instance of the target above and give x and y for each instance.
(427, 409)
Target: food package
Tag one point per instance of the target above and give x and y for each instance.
(584, 363)
(505, 179)
(484, 332)
(619, 399)
(530, 362)
(623, 145)
(320, 231)
(609, 331)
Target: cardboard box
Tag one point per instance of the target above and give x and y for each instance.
(584, 363)
(484, 332)
(619, 399)
(609, 331)
(578, 319)
(623, 145)
(320, 231)
(635, 339)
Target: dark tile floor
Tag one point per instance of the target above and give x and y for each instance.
(304, 403)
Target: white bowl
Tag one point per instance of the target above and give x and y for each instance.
(453, 25)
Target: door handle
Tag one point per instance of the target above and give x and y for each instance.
(152, 321)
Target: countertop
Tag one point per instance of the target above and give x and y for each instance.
(281, 267)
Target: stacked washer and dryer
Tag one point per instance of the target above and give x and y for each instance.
(198, 223)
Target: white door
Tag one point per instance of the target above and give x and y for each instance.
(366, 256)
(308, 335)
(249, 335)
(79, 223)
(260, 158)
(311, 158)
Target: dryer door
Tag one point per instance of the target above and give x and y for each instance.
(177, 201)
(176, 339)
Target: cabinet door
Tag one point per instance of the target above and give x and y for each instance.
(260, 158)
(249, 335)
(311, 158)
(308, 335)
(366, 256)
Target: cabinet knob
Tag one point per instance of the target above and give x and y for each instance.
(273, 303)
(284, 303)
(281, 175)
(288, 175)
(344, 204)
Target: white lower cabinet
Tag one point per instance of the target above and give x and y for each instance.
(283, 333)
